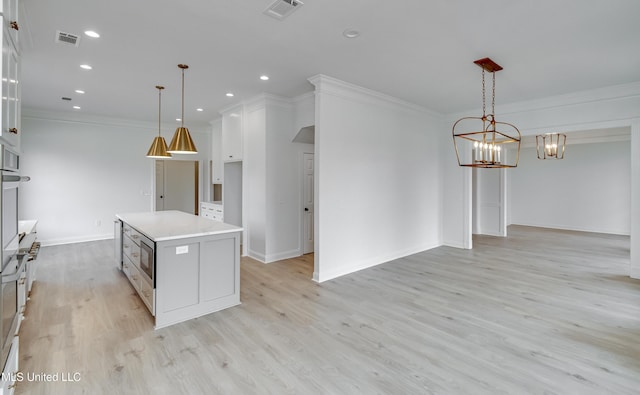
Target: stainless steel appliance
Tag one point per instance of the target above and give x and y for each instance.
(147, 258)
(13, 263)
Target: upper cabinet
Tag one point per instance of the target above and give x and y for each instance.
(10, 131)
(217, 173)
(10, 20)
(232, 134)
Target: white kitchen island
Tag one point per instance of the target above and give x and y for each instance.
(196, 266)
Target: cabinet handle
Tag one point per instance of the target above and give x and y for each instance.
(13, 130)
(136, 254)
(136, 236)
(14, 25)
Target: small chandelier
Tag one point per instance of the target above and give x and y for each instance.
(158, 148)
(181, 143)
(484, 145)
(551, 145)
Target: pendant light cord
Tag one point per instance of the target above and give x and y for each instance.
(159, 88)
(182, 116)
(182, 67)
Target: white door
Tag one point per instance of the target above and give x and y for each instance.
(490, 197)
(180, 186)
(160, 185)
(307, 195)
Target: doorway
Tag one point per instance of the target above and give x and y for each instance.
(177, 185)
(489, 208)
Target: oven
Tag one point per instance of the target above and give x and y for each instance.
(13, 262)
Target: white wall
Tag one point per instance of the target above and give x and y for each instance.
(378, 179)
(589, 190)
(255, 173)
(284, 179)
(85, 170)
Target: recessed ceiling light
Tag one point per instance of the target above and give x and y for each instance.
(80, 91)
(178, 119)
(229, 94)
(264, 77)
(86, 66)
(199, 109)
(76, 107)
(351, 33)
(92, 34)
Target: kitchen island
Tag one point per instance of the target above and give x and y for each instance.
(182, 266)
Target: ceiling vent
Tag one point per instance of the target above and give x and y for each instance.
(67, 38)
(281, 9)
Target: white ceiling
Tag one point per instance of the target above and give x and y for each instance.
(417, 50)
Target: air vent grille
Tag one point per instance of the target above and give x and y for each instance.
(67, 38)
(281, 9)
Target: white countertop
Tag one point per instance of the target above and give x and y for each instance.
(171, 225)
(26, 226)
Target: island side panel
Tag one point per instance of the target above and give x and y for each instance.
(219, 279)
(196, 276)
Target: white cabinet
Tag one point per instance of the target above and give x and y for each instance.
(10, 22)
(131, 251)
(217, 171)
(10, 88)
(232, 134)
(213, 211)
(10, 373)
(30, 246)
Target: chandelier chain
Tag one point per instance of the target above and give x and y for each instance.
(493, 95)
(483, 95)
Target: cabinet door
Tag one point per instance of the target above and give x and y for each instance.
(232, 135)
(177, 276)
(216, 155)
(10, 93)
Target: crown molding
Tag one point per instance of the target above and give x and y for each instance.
(88, 119)
(349, 91)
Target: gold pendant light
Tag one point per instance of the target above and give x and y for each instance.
(181, 143)
(486, 146)
(551, 145)
(158, 148)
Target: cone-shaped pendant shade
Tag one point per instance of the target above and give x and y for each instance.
(181, 143)
(158, 149)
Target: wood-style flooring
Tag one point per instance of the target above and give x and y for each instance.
(540, 312)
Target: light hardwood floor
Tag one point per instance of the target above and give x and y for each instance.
(541, 312)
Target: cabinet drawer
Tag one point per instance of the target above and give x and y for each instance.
(10, 372)
(131, 250)
(147, 294)
(131, 233)
(134, 276)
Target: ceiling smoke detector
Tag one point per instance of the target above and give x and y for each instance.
(67, 38)
(281, 9)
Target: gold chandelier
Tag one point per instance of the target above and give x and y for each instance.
(158, 148)
(484, 145)
(181, 143)
(551, 145)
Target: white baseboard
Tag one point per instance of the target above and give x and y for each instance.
(367, 263)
